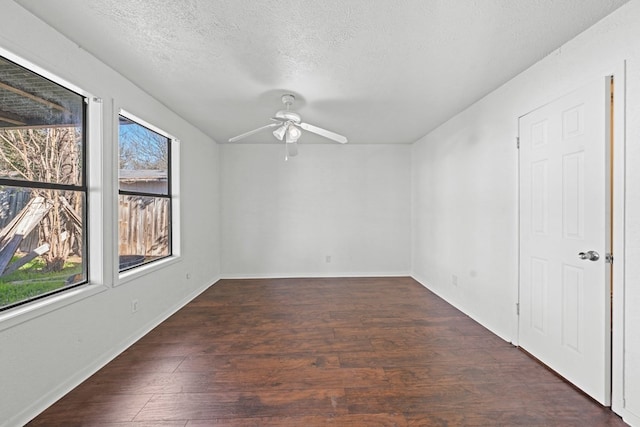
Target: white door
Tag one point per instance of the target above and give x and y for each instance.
(564, 212)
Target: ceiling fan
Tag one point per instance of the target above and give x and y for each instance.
(288, 126)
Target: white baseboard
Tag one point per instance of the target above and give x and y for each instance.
(84, 373)
(630, 418)
(312, 275)
(469, 313)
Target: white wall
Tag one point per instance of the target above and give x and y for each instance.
(465, 189)
(349, 202)
(354, 202)
(45, 352)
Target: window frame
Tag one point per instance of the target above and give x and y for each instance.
(131, 272)
(24, 306)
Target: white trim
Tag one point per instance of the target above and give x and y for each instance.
(142, 270)
(94, 226)
(617, 335)
(516, 303)
(95, 192)
(629, 418)
(31, 66)
(336, 274)
(29, 311)
(427, 285)
(176, 218)
(62, 389)
(142, 122)
(619, 174)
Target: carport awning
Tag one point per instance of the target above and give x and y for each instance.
(28, 101)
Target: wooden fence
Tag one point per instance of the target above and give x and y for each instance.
(144, 226)
(12, 201)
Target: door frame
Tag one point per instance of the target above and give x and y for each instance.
(618, 163)
(618, 234)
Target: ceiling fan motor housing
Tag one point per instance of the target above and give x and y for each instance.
(287, 123)
(286, 115)
(288, 99)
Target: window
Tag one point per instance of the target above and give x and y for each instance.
(43, 190)
(144, 216)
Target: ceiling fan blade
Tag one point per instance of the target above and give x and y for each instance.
(251, 132)
(323, 132)
(292, 149)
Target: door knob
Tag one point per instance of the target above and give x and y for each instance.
(591, 255)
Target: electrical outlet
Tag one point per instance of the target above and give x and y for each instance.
(454, 280)
(327, 259)
(134, 305)
(188, 275)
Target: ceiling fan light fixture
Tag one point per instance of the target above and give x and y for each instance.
(293, 133)
(289, 127)
(279, 133)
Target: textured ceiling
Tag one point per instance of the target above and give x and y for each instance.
(377, 71)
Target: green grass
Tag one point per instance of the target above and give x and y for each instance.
(30, 281)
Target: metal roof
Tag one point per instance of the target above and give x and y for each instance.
(30, 100)
(142, 175)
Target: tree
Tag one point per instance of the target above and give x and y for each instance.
(141, 148)
(49, 155)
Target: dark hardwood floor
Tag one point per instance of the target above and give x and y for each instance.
(316, 352)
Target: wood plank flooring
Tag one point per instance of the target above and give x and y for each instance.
(323, 352)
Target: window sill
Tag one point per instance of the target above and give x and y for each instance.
(143, 270)
(29, 311)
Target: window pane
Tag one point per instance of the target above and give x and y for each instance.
(40, 128)
(144, 159)
(41, 242)
(144, 230)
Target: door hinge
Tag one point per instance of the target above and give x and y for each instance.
(608, 258)
(518, 308)
(518, 142)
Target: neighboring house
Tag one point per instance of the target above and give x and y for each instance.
(143, 220)
(143, 180)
